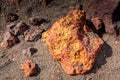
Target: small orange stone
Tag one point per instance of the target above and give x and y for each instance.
(29, 68)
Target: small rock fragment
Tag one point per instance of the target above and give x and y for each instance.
(29, 68)
(18, 29)
(98, 26)
(97, 22)
(36, 21)
(33, 34)
(29, 52)
(11, 17)
(9, 40)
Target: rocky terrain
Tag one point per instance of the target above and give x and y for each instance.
(38, 17)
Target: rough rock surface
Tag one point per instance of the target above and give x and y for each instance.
(18, 29)
(72, 43)
(36, 20)
(33, 34)
(29, 68)
(107, 10)
(97, 25)
(29, 52)
(97, 22)
(9, 40)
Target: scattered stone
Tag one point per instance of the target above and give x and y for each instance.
(18, 29)
(33, 34)
(37, 21)
(11, 17)
(9, 40)
(97, 26)
(72, 43)
(29, 68)
(97, 22)
(29, 52)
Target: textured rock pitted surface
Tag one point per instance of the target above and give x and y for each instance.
(72, 43)
(29, 68)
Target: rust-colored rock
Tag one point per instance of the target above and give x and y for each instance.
(72, 43)
(29, 68)
(97, 22)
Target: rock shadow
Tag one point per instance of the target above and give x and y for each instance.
(38, 70)
(106, 51)
(100, 32)
(33, 50)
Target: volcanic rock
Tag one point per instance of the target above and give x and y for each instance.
(18, 29)
(9, 40)
(97, 25)
(29, 68)
(72, 43)
(33, 34)
(29, 52)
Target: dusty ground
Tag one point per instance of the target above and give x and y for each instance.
(107, 66)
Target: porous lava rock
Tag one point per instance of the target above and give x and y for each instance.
(17, 29)
(29, 68)
(33, 34)
(72, 43)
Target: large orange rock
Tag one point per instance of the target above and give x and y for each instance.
(72, 43)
